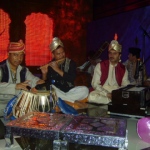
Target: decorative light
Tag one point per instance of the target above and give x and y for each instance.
(116, 37)
(39, 33)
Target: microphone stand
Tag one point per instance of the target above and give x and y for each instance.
(144, 61)
(141, 68)
(139, 73)
(145, 34)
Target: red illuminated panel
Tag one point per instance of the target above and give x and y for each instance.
(4, 34)
(116, 37)
(39, 32)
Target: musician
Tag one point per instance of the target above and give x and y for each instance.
(62, 75)
(13, 76)
(131, 65)
(89, 68)
(108, 75)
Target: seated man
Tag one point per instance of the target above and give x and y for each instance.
(89, 65)
(108, 75)
(135, 75)
(13, 76)
(62, 72)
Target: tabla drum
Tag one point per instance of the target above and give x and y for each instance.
(28, 102)
(46, 101)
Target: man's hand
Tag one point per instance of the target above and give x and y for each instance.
(22, 86)
(33, 90)
(40, 81)
(55, 66)
(44, 69)
(109, 95)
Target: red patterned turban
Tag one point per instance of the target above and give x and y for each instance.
(15, 47)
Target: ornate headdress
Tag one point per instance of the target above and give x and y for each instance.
(15, 47)
(114, 45)
(55, 43)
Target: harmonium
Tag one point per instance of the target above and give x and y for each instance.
(130, 101)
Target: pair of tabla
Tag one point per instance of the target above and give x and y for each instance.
(28, 102)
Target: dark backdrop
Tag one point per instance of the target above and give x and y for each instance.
(133, 29)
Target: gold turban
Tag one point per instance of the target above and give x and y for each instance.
(55, 43)
(15, 47)
(114, 45)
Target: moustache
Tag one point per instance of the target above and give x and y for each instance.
(18, 62)
(111, 58)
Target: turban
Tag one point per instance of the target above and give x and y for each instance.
(55, 43)
(15, 47)
(114, 45)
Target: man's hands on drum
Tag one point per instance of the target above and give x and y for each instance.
(34, 90)
(26, 87)
(23, 85)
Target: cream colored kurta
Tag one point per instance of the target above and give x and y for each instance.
(99, 95)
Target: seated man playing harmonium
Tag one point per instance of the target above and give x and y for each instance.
(108, 75)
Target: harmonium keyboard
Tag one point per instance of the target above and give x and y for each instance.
(130, 101)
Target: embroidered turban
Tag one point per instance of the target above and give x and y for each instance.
(15, 47)
(114, 45)
(55, 43)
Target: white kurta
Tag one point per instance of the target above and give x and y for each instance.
(75, 94)
(99, 95)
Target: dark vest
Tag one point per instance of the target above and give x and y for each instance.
(59, 81)
(5, 73)
(119, 72)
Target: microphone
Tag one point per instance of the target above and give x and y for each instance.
(138, 65)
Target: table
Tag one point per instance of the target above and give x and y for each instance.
(64, 129)
(134, 142)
